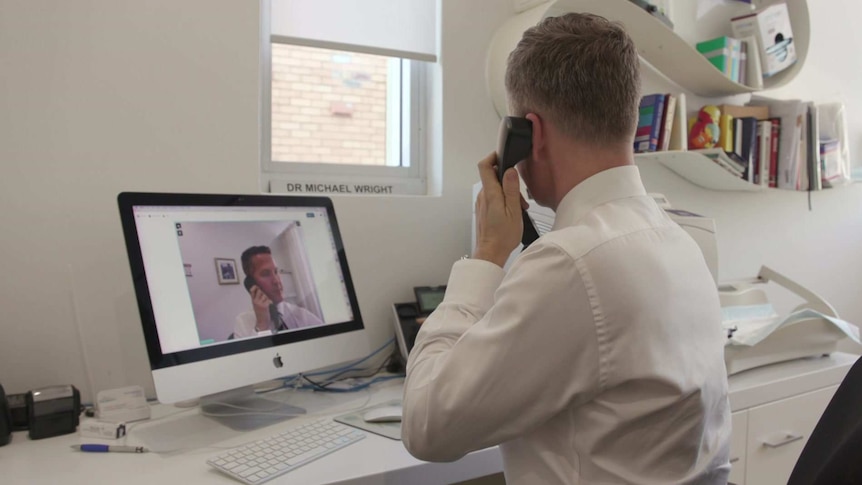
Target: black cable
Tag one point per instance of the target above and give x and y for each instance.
(315, 384)
(355, 388)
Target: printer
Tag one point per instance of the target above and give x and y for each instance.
(756, 334)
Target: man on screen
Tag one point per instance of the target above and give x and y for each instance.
(271, 313)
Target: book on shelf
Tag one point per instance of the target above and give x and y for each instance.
(649, 123)
(725, 132)
(745, 136)
(735, 59)
(737, 162)
(668, 114)
(753, 72)
(764, 144)
(679, 132)
(723, 53)
(737, 140)
(791, 113)
(758, 112)
(802, 152)
(813, 152)
(722, 159)
(773, 152)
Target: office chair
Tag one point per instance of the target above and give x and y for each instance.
(833, 453)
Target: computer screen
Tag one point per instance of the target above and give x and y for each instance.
(233, 289)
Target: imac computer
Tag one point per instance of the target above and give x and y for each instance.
(234, 290)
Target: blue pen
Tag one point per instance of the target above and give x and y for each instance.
(110, 448)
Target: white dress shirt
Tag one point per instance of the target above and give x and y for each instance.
(293, 316)
(597, 359)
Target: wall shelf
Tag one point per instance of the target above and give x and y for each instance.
(699, 170)
(672, 55)
(660, 46)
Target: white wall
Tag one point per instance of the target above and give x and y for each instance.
(101, 96)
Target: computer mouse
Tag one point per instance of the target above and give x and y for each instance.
(385, 414)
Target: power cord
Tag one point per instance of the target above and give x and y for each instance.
(359, 387)
(292, 381)
(335, 378)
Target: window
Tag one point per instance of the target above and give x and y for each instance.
(339, 118)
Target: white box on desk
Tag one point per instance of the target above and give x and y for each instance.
(774, 37)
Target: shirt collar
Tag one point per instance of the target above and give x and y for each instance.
(605, 186)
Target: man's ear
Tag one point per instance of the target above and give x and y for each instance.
(538, 135)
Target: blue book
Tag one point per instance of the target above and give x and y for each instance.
(649, 122)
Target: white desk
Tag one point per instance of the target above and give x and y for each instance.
(375, 460)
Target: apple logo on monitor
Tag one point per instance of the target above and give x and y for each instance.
(276, 361)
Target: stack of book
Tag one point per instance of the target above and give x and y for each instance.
(772, 143)
(728, 55)
(750, 138)
(661, 120)
(748, 143)
(799, 142)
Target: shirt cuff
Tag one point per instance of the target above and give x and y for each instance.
(473, 282)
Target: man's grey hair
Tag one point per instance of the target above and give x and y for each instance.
(580, 71)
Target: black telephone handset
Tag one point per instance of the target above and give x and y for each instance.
(248, 282)
(514, 145)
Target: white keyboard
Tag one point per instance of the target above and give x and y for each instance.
(263, 460)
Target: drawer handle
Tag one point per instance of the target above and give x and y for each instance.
(784, 439)
(734, 460)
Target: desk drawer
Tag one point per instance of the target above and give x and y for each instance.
(777, 432)
(738, 439)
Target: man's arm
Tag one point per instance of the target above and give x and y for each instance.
(488, 367)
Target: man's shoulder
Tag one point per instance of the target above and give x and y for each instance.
(576, 241)
(245, 323)
(608, 223)
(285, 305)
(246, 317)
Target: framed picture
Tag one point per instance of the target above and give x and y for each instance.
(226, 271)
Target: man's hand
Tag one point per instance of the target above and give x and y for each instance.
(498, 213)
(261, 304)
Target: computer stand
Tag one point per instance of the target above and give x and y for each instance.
(242, 409)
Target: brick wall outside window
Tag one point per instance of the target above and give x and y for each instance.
(328, 106)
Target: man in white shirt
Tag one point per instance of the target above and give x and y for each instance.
(598, 357)
(271, 313)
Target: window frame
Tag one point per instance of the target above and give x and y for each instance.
(404, 180)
